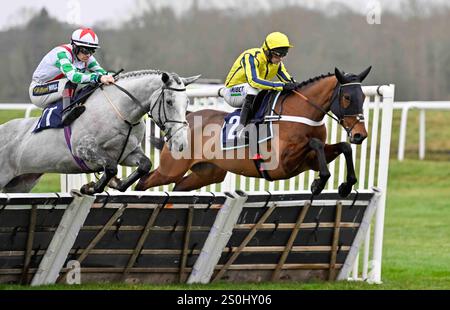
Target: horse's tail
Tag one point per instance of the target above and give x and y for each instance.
(158, 143)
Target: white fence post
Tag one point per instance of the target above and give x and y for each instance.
(218, 238)
(422, 129)
(383, 167)
(353, 255)
(63, 239)
(402, 135)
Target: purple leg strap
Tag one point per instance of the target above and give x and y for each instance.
(79, 161)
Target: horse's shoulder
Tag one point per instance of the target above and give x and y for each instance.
(206, 114)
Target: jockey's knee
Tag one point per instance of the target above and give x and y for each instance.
(44, 94)
(235, 96)
(69, 89)
(70, 85)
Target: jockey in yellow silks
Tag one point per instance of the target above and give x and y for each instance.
(254, 70)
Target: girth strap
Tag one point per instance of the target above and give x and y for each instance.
(258, 161)
(78, 160)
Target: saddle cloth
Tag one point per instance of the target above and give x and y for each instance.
(264, 104)
(50, 118)
(52, 115)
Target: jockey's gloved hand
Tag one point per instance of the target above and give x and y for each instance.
(290, 86)
(96, 81)
(107, 79)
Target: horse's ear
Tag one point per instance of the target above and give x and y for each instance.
(364, 74)
(165, 77)
(190, 80)
(340, 76)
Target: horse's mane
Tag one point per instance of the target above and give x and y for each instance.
(139, 73)
(314, 79)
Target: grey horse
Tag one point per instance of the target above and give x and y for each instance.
(111, 127)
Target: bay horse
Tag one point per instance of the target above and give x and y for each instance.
(301, 145)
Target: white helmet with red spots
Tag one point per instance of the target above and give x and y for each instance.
(85, 37)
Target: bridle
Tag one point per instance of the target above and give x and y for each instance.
(162, 112)
(340, 113)
(159, 122)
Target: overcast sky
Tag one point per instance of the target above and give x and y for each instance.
(89, 12)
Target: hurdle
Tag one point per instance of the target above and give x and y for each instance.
(177, 238)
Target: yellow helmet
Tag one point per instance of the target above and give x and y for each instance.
(275, 40)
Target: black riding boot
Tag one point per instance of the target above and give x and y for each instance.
(245, 116)
(70, 114)
(246, 109)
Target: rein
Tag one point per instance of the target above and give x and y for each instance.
(316, 106)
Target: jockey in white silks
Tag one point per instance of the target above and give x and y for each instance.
(66, 68)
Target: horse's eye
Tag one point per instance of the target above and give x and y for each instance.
(170, 102)
(347, 97)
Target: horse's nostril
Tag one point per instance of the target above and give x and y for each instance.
(181, 148)
(358, 138)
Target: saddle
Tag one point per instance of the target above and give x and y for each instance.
(51, 115)
(262, 107)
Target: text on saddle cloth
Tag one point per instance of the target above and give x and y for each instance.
(229, 136)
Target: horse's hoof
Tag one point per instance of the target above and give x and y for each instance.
(317, 187)
(344, 189)
(88, 189)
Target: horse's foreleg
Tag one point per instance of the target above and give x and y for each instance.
(324, 174)
(110, 170)
(136, 158)
(89, 151)
(334, 150)
(169, 171)
(155, 178)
